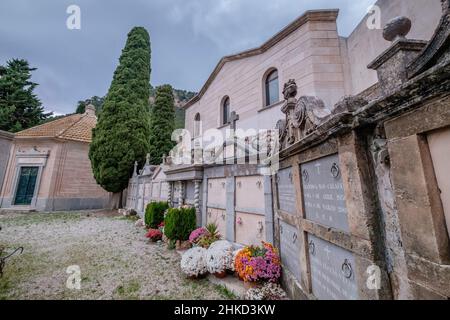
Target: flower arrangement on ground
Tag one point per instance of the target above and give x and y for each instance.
(269, 291)
(211, 235)
(197, 234)
(254, 264)
(154, 235)
(193, 262)
(219, 258)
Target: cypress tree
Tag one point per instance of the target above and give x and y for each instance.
(121, 135)
(20, 108)
(162, 123)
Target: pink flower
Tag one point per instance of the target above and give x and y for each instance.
(196, 234)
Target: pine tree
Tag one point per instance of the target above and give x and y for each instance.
(20, 108)
(121, 135)
(162, 124)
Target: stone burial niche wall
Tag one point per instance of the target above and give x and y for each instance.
(324, 214)
(147, 185)
(362, 195)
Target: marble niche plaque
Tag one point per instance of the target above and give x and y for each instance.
(286, 191)
(323, 193)
(290, 248)
(332, 271)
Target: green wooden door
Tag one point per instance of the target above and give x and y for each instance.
(26, 185)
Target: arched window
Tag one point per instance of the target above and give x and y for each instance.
(197, 125)
(225, 111)
(272, 88)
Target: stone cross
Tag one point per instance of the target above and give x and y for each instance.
(233, 118)
(135, 168)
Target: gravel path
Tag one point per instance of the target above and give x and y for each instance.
(115, 260)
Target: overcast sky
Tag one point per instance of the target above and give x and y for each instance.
(188, 37)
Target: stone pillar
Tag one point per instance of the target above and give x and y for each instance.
(197, 201)
(230, 207)
(268, 207)
(392, 64)
(181, 194)
(205, 201)
(170, 193)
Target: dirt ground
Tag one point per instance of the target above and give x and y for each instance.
(115, 260)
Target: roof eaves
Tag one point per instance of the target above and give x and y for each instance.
(310, 15)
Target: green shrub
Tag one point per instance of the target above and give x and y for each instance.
(179, 223)
(154, 214)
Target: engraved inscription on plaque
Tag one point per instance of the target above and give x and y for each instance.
(332, 271)
(323, 193)
(290, 248)
(286, 190)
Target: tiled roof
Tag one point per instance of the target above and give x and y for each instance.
(76, 127)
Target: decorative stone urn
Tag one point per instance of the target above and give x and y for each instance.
(397, 28)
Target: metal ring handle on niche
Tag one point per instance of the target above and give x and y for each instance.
(291, 177)
(347, 269)
(312, 247)
(278, 179)
(281, 229)
(335, 171)
(294, 238)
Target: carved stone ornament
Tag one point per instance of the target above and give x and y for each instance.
(290, 89)
(302, 116)
(349, 104)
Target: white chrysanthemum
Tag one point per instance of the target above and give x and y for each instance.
(193, 262)
(219, 257)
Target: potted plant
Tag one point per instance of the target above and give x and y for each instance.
(195, 235)
(212, 235)
(219, 258)
(269, 291)
(178, 225)
(193, 262)
(255, 264)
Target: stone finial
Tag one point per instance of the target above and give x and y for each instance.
(290, 89)
(89, 110)
(147, 159)
(397, 28)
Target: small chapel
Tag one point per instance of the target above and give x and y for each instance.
(47, 167)
(359, 136)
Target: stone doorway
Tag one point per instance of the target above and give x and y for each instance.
(26, 185)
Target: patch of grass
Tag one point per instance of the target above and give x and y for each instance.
(225, 292)
(129, 218)
(129, 290)
(25, 219)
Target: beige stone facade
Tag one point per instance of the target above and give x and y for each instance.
(57, 155)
